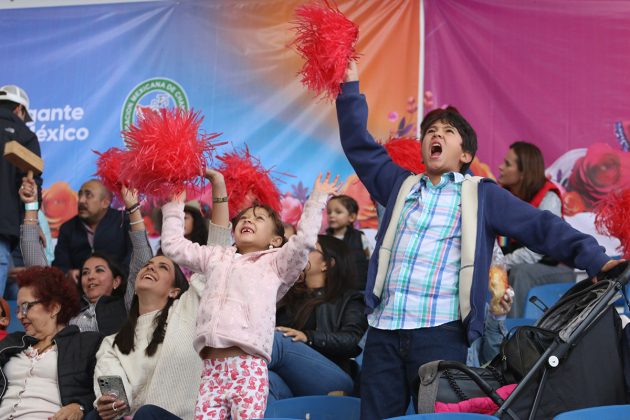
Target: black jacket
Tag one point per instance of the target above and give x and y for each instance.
(76, 358)
(340, 325)
(11, 208)
(354, 239)
(111, 313)
(111, 237)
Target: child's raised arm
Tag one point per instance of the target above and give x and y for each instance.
(175, 246)
(219, 228)
(369, 159)
(220, 209)
(293, 256)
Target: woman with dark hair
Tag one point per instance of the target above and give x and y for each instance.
(195, 227)
(523, 174)
(105, 294)
(153, 352)
(319, 325)
(47, 370)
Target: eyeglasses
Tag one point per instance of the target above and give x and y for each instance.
(24, 307)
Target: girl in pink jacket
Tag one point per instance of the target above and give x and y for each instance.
(236, 318)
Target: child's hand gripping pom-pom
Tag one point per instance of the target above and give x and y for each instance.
(406, 152)
(108, 169)
(247, 181)
(166, 152)
(613, 218)
(325, 39)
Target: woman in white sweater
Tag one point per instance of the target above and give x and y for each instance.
(153, 352)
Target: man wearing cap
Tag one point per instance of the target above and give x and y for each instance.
(13, 117)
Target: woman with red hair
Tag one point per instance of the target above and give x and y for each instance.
(48, 369)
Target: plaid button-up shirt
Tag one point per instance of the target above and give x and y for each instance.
(422, 282)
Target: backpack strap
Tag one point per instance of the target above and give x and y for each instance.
(429, 382)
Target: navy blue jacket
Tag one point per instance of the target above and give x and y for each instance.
(499, 212)
(111, 237)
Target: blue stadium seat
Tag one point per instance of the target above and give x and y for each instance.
(608, 412)
(444, 416)
(318, 407)
(15, 325)
(547, 294)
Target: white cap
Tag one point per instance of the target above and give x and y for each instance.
(15, 94)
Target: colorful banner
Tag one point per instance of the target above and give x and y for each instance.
(89, 69)
(542, 72)
(552, 73)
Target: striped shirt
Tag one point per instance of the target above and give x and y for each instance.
(422, 282)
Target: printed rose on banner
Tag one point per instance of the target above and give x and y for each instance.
(291, 209)
(59, 203)
(600, 172)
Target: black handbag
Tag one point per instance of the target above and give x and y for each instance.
(455, 386)
(452, 382)
(521, 350)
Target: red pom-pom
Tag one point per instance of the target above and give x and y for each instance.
(612, 217)
(247, 182)
(166, 152)
(406, 152)
(325, 39)
(108, 169)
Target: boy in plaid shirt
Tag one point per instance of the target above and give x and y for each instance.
(425, 303)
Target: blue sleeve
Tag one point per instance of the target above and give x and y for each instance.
(370, 160)
(540, 231)
(494, 334)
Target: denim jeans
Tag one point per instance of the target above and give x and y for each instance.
(153, 412)
(296, 369)
(11, 287)
(485, 348)
(391, 360)
(5, 263)
(146, 412)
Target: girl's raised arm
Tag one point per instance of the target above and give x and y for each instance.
(175, 246)
(293, 256)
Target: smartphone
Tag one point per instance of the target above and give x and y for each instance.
(114, 386)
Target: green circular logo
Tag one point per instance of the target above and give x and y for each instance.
(151, 95)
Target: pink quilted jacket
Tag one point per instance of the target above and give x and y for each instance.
(238, 305)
